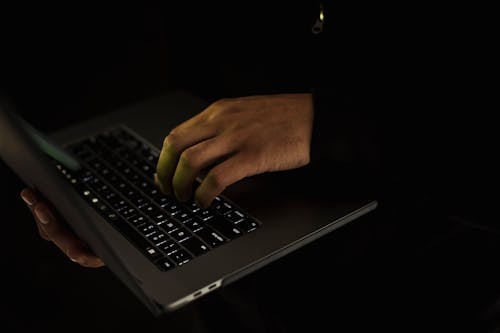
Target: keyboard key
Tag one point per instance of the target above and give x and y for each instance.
(183, 216)
(147, 229)
(180, 257)
(129, 212)
(153, 253)
(115, 202)
(193, 225)
(137, 220)
(150, 155)
(205, 214)
(168, 246)
(146, 169)
(157, 238)
(165, 264)
(193, 207)
(112, 216)
(97, 146)
(149, 188)
(108, 196)
(152, 214)
(248, 225)
(139, 201)
(122, 205)
(149, 209)
(235, 216)
(180, 234)
(152, 192)
(103, 208)
(118, 184)
(195, 246)
(226, 228)
(159, 218)
(95, 164)
(162, 200)
(172, 209)
(210, 236)
(169, 225)
(103, 188)
(222, 208)
(87, 176)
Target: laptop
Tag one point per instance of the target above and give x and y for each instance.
(99, 175)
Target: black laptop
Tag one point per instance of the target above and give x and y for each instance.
(99, 175)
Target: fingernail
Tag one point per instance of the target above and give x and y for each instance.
(79, 260)
(28, 198)
(43, 216)
(70, 256)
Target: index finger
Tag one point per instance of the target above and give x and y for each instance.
(174, 144)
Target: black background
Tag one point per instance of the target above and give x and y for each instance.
(63, 63)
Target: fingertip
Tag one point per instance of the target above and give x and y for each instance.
(74, 253)
(95, 263)
(80, 260)
(164, 189)
(82, 257)
(29, 196)
(157, 181)
(201, 200)
(90, 262)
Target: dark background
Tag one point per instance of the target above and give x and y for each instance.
(389, 270)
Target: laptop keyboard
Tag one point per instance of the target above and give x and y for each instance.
(117, 180)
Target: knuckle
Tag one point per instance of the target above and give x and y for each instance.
(171, 142)
(54, 232)
(221, 103)
(219, 108)
(216, 180)
(190, 157)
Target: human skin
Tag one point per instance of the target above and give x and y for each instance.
(230, 140)
(233, 139)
